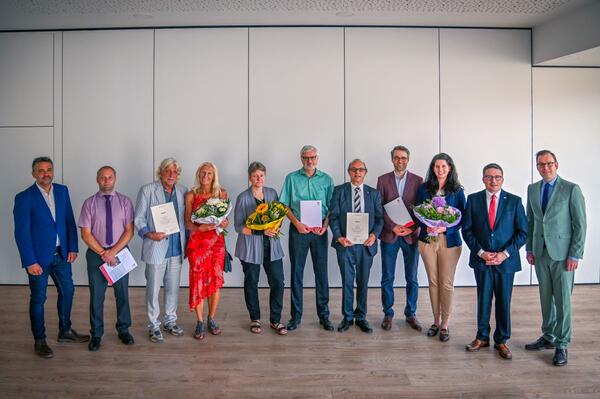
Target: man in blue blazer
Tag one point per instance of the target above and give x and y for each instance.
(355, 260)
(46, 236)
(494, 228)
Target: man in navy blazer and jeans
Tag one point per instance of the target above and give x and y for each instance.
(355, 260)
(46, 236)
(494, 227)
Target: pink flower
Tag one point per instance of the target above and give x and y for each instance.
(440, 209)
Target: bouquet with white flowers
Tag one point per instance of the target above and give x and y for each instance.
(214, 211)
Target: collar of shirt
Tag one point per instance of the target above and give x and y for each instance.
(317, 173)
(488, 195)
(551, 182)
(353, 187)
(101, 194)
(49, 194)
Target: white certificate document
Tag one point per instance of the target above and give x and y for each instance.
(310, 213)
(165, 220)
(125, 264)
(357, 227)
(396, 210)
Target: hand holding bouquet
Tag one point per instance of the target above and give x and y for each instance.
(214, 211)
(436, 213)
(267, 216)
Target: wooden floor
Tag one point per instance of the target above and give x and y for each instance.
(308, 362)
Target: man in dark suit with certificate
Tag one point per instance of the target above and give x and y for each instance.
(494, 227)
(46, 236)
(399, 183)
(355, 249)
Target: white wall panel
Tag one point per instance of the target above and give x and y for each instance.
(19, 147)
(26, 75)
(107, 111)
(486, 112)
(566, 120)
(392, 95)
(297, 98)
(202, 109)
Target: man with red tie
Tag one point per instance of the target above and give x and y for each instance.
(494, 227)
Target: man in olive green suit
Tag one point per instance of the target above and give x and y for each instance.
(555, 241)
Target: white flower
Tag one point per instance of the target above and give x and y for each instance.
(213, 201)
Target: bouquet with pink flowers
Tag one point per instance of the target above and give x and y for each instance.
(436, 213)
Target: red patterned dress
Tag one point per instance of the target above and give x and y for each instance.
(206, 254)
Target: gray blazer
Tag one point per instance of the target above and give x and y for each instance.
(250, 248)
(153, 252)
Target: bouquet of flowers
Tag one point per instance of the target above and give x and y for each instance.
(436, 213)
(214, 211)
(267, 216)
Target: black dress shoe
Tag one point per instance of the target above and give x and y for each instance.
(42, 349)
(541, 343)
(126, 338)
(560, 357)
(326, 324)
(345, 325)
(72, 336)
(292, 324)
(94, 344)
(364, 326)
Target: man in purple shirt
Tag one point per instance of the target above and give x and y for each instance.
(106, 223)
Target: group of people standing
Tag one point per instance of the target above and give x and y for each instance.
(494, 226)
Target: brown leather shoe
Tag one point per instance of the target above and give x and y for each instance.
(477, 344)
(386, 324)
(503, 351)
(414, 323)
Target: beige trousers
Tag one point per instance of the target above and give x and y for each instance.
(440, 264)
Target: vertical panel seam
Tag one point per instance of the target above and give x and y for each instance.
(344, 99)
(62, 106)
(439, 93)
(532, 130)
(153, 101)
(248, 97)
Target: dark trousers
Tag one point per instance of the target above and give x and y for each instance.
(491, 283)
(98, 284)
(355, 263)
(274, 271)
(60, 272)
(389, 254)
(299, 245)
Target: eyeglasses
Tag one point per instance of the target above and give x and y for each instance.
(496, 178)
(354, 170)
(542, 165)
(401, 159)
(313, 158)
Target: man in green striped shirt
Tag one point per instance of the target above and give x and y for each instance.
(308, 183)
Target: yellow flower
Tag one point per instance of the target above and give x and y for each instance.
(262, 208)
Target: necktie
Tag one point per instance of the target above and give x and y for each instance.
(545, 196)
(492, 211)
(109, 221)
(356, 201)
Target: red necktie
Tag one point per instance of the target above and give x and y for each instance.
(492, 211)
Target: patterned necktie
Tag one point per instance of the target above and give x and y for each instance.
(492, 211)
(109, 226)
(545, 197)
(356, 201)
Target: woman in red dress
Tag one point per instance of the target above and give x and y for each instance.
(205, 250)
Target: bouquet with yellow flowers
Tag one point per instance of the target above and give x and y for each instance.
(267, 216)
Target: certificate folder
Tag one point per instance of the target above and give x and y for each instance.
(396, 210)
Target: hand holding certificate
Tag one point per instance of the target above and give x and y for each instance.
(396, 210)
(357, 227)
(165, 219)
(310, 213)
(124, 264)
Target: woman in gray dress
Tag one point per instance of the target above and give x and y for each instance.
(254, 247)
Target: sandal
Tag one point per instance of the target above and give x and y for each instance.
(199, 332)
(213, 327)
(433, 330)
(444, 334)
(255, 327)
(280, 328)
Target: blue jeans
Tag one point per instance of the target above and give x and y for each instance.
(98, 285)
(60, 272)
(355, 263)
(299, 245)
(389, 254)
